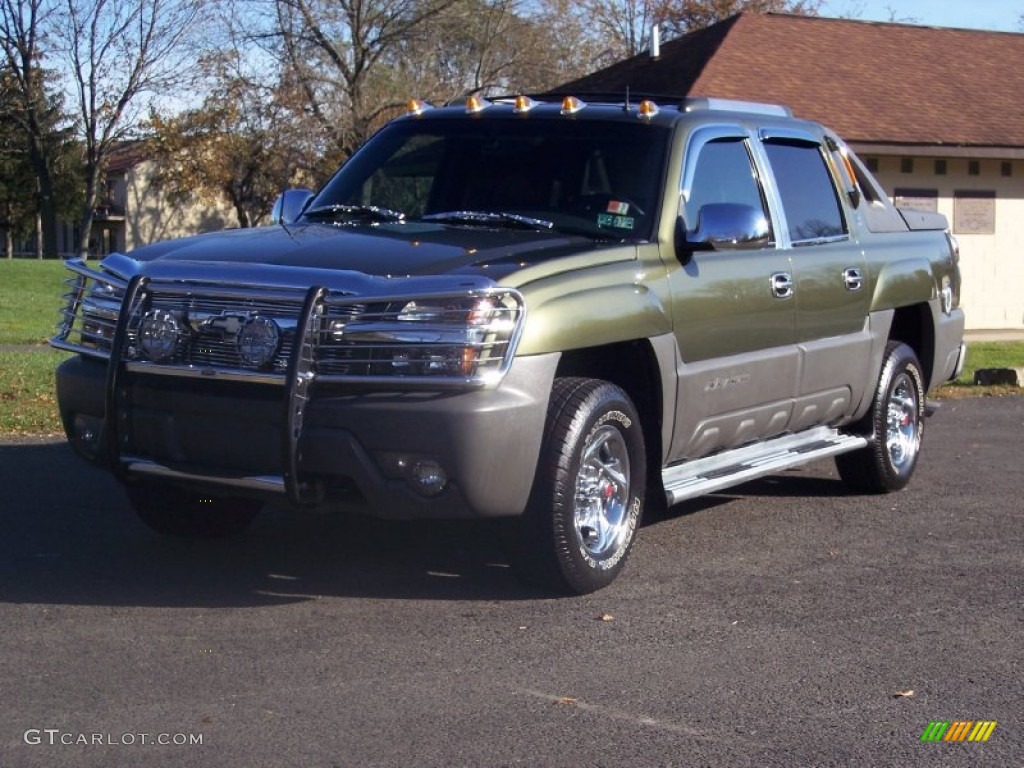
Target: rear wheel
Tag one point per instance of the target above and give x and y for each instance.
(894, 424)
(588, 494)
(175, 511)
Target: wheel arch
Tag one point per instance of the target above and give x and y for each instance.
(913, 325)
(641, 369)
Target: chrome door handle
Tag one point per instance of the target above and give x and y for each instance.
(853, 279)
(782, 285)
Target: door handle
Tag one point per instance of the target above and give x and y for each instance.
(782, 285)
(853, 279)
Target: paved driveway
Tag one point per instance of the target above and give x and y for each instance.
(773, 626)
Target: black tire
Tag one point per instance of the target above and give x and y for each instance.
(175, 511)
(894, 426)
(588, 493)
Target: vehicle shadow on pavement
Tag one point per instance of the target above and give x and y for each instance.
(70, 537)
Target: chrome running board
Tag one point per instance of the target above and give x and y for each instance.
(723, 470)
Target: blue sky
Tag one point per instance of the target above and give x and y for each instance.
(1002, 15)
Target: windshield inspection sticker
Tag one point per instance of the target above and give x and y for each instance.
(614, 206)
(619, 222)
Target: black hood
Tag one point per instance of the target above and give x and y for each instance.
(382, 250)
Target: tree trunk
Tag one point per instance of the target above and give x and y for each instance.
(8, 234)
(39, 235)
(92, 180)
(47, 214)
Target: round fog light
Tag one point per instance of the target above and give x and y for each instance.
(428, 478)
(257, 341)
(159, 334)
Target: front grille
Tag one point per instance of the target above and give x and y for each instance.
(213, 324)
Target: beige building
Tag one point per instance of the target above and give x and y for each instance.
(136, 210)
(939, 113)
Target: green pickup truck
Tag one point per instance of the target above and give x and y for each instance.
(552, 309)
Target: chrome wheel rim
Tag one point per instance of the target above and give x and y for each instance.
(601, 518)
(903, 436)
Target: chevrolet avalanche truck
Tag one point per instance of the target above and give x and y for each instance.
(535, 308)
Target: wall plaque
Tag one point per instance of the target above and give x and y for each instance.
(918, 199)
(974, 212)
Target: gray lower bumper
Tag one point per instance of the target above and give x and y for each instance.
(354, 445)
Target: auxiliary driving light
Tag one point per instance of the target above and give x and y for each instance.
(258, 341)
(159, 334)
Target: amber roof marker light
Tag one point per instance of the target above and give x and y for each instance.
(647, 109)
(416, 107)
(571, 105)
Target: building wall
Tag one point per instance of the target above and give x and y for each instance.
(152, 215)
(992, 265)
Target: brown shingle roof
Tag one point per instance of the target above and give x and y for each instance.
(871, 82)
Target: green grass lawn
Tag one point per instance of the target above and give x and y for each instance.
(986, 354)
(30, 293)
(27, 402)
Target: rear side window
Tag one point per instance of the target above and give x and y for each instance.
(809, 197)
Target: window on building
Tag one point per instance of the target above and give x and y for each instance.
(1006, 169)
(906, 165)
(940, 167)
(871, 163)
(809, 197)
(973, 168)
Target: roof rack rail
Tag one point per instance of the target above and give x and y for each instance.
(700, 104)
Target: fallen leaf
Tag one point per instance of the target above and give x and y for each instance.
(565, 701)
(905, 694)
(606, 617)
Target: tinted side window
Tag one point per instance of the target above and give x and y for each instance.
(807, 192)
(724, 174)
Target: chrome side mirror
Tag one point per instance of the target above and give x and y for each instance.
(730, 226)
(289, 205)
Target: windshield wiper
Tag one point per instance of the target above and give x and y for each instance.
(490, 218)
(362, 212)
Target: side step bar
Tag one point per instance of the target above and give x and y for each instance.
(723, 470)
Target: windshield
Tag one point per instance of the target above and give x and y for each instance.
(598, 178)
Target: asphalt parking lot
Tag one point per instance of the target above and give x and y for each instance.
(781, 624)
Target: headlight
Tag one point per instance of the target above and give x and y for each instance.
(468, 336)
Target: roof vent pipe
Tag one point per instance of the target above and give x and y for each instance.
(655, 42)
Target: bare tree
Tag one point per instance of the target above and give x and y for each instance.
(118, 52)
(21, 31)
(335, 47)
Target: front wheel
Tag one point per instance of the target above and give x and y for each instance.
(588, 494)
(895, 426)
(175, 511)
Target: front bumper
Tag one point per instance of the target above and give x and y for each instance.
(352, 445)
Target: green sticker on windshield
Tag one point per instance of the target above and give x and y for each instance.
(619, 222)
